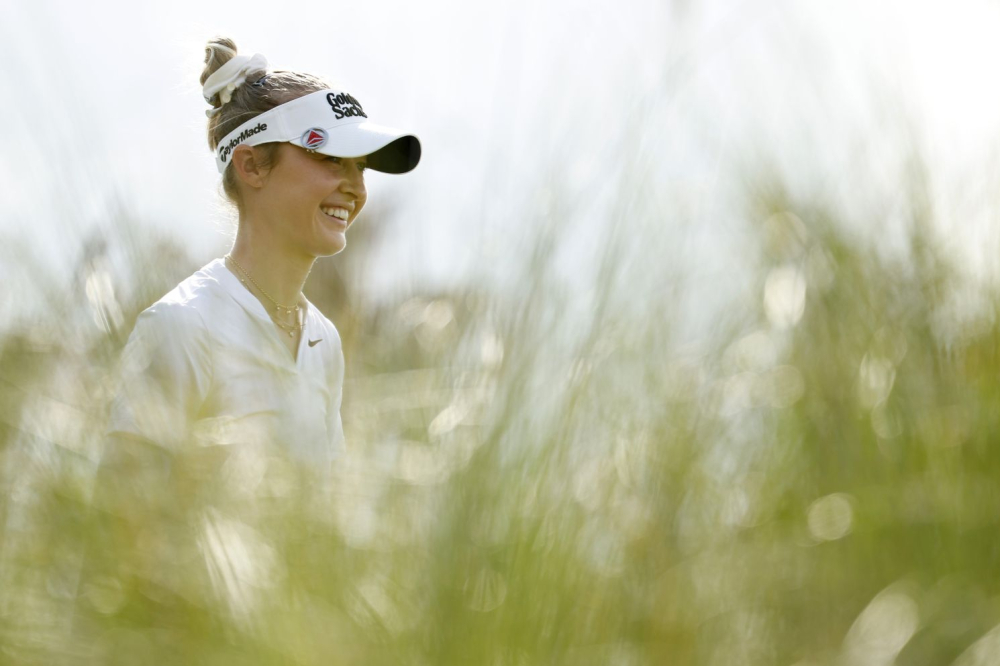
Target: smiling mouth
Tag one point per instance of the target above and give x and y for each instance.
(338, 220)
(336, 212)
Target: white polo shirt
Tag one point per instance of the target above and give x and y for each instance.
(205, 365)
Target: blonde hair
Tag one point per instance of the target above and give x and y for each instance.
(261, 91)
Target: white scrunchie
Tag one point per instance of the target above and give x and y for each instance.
(225, 80)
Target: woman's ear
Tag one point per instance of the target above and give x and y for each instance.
(248, 168)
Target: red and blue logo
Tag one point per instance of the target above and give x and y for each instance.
(314, 138)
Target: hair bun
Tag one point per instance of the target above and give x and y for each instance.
(218, 52)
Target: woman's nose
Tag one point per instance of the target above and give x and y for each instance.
(354, 181)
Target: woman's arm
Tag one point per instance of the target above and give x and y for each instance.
(164, 377)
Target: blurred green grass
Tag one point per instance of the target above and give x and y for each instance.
(813, 482)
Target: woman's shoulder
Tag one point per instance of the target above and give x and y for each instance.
(198, 291)
(185, 309)
(198, 294)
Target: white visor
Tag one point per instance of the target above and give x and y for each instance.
(330, 122)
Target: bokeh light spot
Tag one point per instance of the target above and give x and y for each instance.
(831, 517)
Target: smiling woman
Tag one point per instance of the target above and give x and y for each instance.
(224, 353)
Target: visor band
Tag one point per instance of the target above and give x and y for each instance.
(340, 118)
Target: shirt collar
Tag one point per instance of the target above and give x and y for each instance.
(218, 270)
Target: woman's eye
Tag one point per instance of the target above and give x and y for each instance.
(362, 166)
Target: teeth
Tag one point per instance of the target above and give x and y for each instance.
(341, 213)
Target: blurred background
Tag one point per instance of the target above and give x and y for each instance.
(679, 347)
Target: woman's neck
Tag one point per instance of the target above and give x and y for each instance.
(279, 273)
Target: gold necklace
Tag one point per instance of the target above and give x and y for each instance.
(290, 329)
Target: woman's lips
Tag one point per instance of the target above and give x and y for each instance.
(337, 222)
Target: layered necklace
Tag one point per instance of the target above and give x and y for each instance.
(283, 310)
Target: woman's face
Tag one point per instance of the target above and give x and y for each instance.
(306, 192)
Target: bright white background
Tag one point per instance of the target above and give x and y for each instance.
(514, 102)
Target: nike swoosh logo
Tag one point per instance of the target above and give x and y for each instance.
(313, 343)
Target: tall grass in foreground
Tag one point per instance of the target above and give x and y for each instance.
(814, 483)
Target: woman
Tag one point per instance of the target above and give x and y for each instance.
(235, 354)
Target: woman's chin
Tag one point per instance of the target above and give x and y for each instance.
(334, 244)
